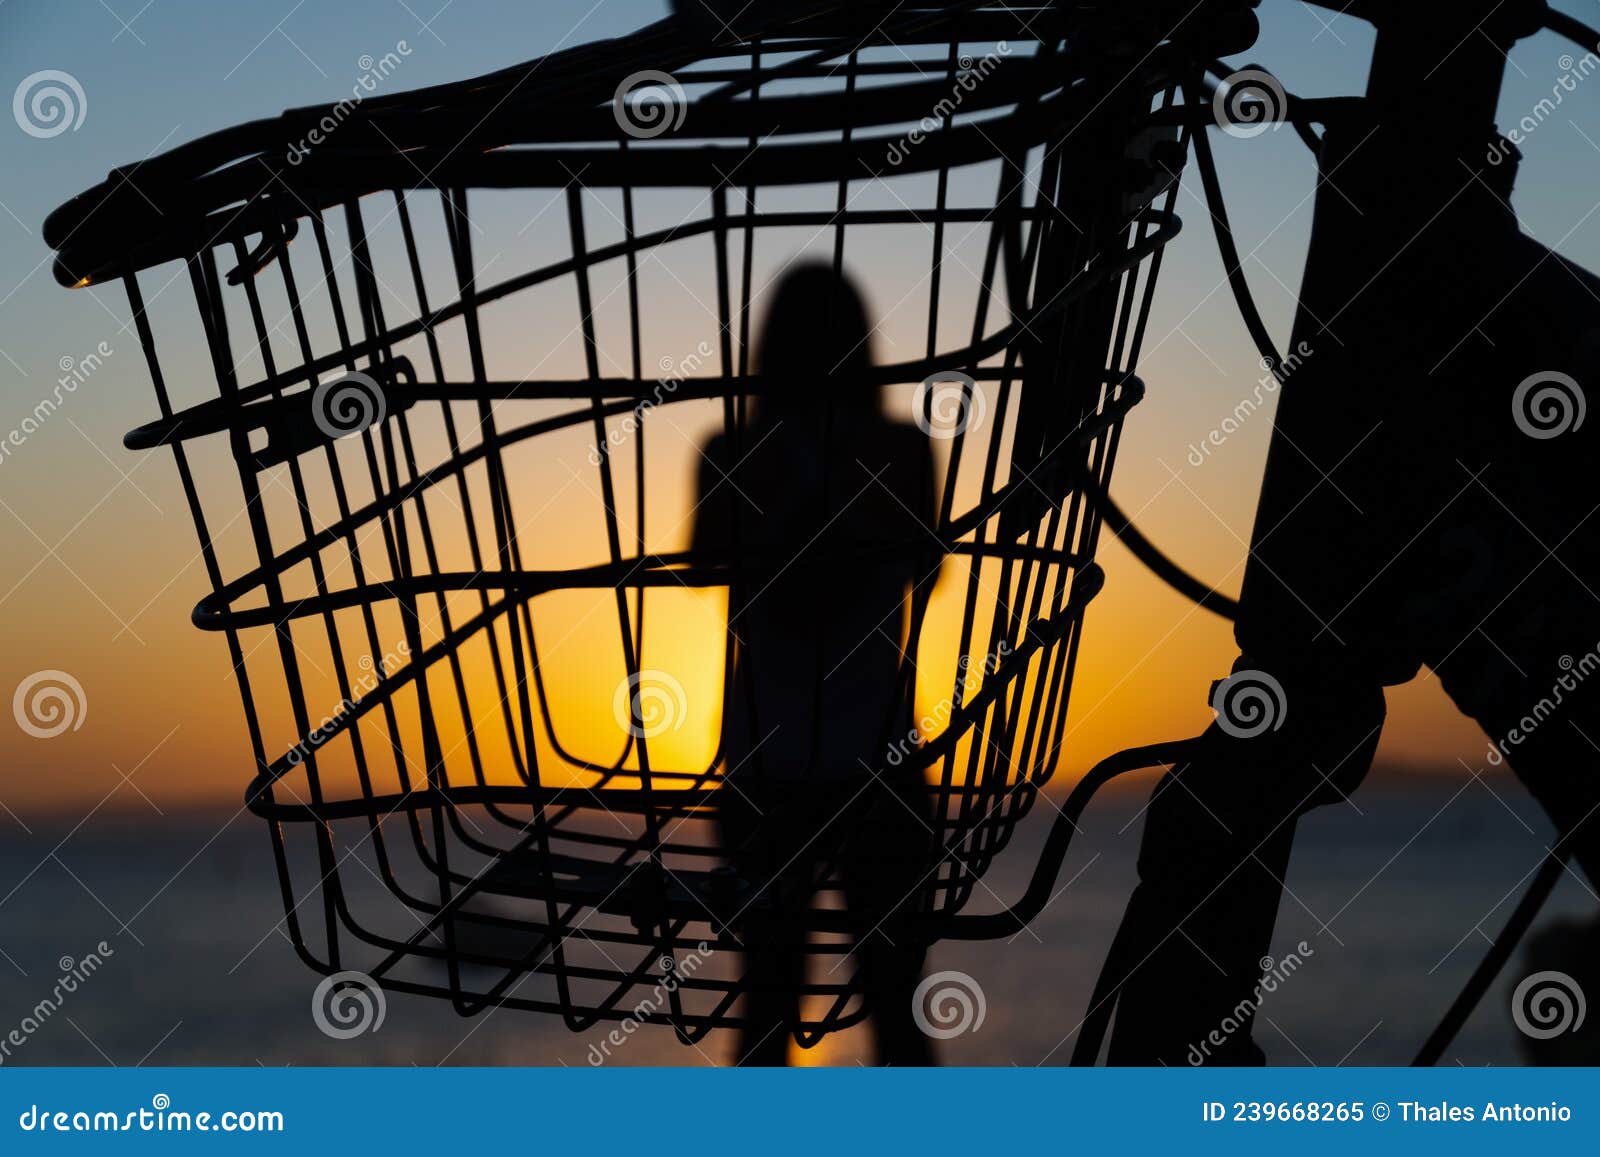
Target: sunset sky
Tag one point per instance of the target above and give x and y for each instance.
(100, 569)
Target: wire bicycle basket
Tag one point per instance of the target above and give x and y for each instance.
(438, 493)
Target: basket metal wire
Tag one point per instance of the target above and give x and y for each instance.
(439, 491)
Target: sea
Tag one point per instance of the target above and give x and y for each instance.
(1396, 892)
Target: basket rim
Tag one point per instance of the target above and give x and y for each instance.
(465, 133)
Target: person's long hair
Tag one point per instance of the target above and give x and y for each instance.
(815, 345)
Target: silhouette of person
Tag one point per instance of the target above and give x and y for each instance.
(825, 506)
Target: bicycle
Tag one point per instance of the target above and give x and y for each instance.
(382, 462)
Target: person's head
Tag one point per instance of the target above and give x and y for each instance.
(815, 341)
